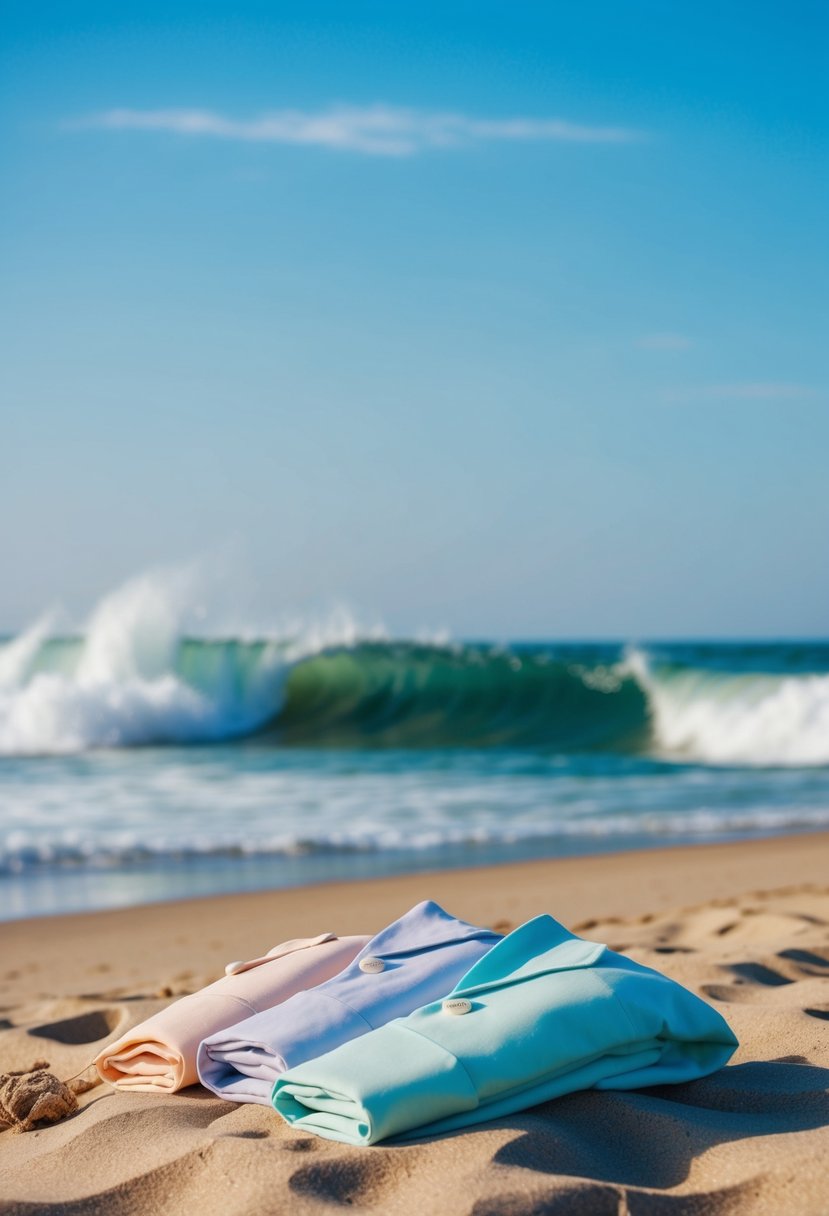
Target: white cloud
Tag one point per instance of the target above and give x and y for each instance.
(378, 130)
(664, 341)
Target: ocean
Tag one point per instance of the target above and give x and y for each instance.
(138, 763)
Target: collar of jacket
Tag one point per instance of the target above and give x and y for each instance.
(539, 947)
(425, 926)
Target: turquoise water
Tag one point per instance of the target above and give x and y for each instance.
(140, 765)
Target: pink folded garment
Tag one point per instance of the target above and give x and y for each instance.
(159, 1055)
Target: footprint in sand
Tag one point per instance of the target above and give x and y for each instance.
(582, 1200)
(347, 1181)
(305, 1145)
(82, 1028)
(759, 973)
(809, 962)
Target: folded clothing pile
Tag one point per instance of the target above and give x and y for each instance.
(544, 1013)
(429, 1026)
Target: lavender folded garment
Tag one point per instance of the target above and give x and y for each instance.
(159, 1055)
(416, 960)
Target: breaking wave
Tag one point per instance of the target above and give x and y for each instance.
(134, 677)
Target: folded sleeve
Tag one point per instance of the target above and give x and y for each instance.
(242, 1062)
(688, 1034)
(377, 1086)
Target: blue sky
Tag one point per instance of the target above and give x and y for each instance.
(499, 318)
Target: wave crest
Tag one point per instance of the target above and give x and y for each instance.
(132, 679)
(135, 678)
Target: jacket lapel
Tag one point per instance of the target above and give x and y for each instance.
(540, 947)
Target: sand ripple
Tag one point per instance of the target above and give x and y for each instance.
(751, 1140)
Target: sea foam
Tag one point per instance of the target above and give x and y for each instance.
(137, 676)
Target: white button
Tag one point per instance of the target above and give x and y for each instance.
(372, 965)
(234, 968)
(457, 1005)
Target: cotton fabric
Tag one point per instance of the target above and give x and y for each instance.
(159, 1055)
(416, 959)
(549, 1013)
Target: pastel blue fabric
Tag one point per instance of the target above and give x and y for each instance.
(542, 1014)
(411, 962)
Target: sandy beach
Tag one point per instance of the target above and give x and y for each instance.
(744, 925)
(413, 617)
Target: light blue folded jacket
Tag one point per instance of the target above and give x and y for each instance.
(415, 960)
(542, 1014)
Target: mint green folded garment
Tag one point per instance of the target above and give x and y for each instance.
(542, 1014)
